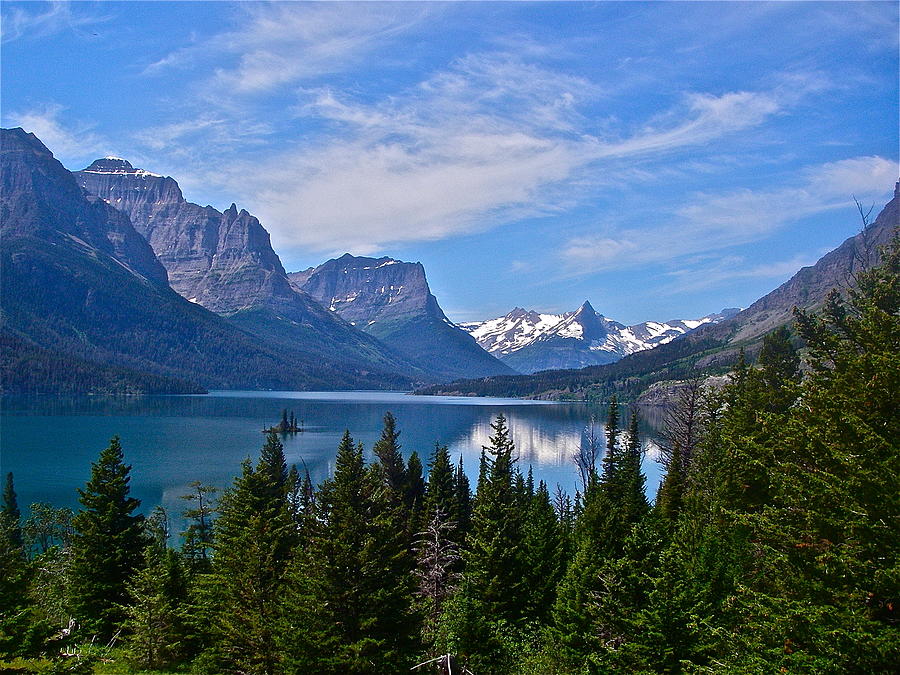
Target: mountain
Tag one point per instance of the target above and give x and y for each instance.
(391, 300)
(529, 341)
(224, 261)
(709, 349)
(86, 306)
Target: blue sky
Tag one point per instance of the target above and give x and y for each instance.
(662, 160)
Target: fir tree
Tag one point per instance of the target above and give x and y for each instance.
(440, 489)
(9, 511)
(20, 632)
(255, 537)
(461, 513)
(493, 562)
(155, 616)
(107, 546)
(414, 494)
(387, 449)
(351, 610)
(543, 554)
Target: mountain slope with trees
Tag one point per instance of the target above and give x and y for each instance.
(709, 349)
(87, 307)
(224, 261)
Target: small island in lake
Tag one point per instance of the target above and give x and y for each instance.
(287, 425)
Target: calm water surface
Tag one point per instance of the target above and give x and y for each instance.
(50, 442)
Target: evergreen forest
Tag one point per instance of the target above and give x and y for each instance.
(772, 546)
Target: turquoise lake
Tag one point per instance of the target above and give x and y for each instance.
(49, 442)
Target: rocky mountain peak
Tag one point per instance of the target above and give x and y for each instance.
(391, 300)
(41, 200)
(585, 309)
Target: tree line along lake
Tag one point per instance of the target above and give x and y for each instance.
(49, 442)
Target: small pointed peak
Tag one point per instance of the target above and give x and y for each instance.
(586, 307)
(110, 164)
(897, 189)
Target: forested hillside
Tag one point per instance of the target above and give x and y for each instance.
(712, 349)
(771, 547)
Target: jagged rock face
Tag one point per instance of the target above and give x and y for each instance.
(369, 291)
(86, 305)
(530, 341)
(223, 261)
(41, 199)
(391, 300)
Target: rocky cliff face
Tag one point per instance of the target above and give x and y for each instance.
(224, 261)
(529, 341)
(86, 307)
(391, 300)
(221, 260)
(43, 201)
(809, 287)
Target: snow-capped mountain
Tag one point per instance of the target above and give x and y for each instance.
(530, 341)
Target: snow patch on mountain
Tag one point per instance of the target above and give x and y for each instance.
(581, 334)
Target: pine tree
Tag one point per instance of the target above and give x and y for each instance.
(414, 495)
(440, 489)
(461, 512)
(155, 616)
(543, 553)
(351, 610)
(493, 561)
(9, 511)
(610, 458)
(255, 537)
(107, 546)
(20, 631)
(387, 449)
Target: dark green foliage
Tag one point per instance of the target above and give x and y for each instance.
(494, 573)
(543, 555)
(440, 491)
(351, 607)
(461, 512)
(255, 538)
(414, 494)
(155, 623)
(387, 450)
(107, 545)
(20, 630)
(10, 515)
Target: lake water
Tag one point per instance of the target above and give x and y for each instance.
(49, 442)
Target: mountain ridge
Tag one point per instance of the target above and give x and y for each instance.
(391, 300)
(87, 303)
(710, 349)
(531, 341)
(224, 261)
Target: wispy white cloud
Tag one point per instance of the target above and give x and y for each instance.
(713, 222)
(68, 142)
(492, 139)
(41, 20)
(282, 43)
